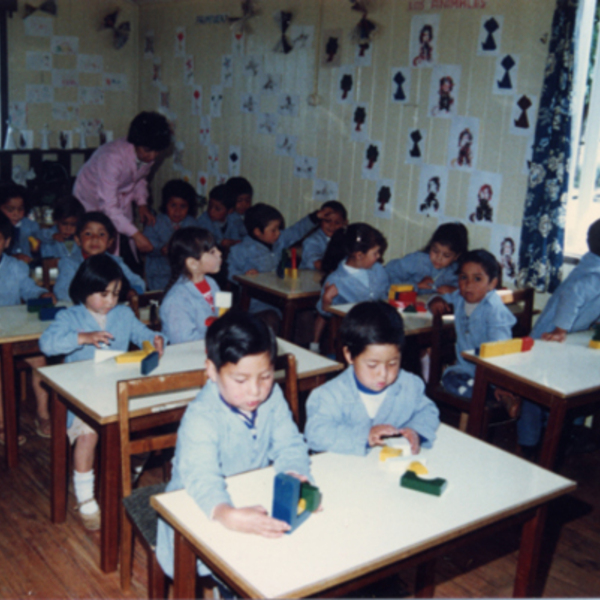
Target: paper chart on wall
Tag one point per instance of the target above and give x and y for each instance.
(188, 70)
(415, 146)
(234, 161)
(90, 63)
(65, 78)
(504, 245)
(358, 129)
(216, 101)
(266, 123)
(505, 75)
(227, 70)
(149, 44)
(179, 42)
(424, 36)
(384, 199)
(431, 198)
(483, 198)
(463, 143)
(324, 190)
(490, 35)
(38, 61)
(91, 126)
(115, 82)
(288, 105)
(90, 95)
(65, 111)
(285, 145)
(64, 44)
(371, 161)
(38, 93)
(17, 113)
(305, 167)
(444, 91)
(196, 99)
(38, 26)
(400, 79)
(346, 84)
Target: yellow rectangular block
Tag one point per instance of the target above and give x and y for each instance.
(491, 349)
(402, 287)
(136, 355)
(387, 452)
(595, 344)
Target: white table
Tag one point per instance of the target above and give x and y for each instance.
(557, 376)
(90, 390)
(368, 523)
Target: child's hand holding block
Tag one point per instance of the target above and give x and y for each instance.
(294, 501)
(136, 355)
(491, 349)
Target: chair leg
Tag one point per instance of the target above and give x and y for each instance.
(23, 386)
(464, 420)
(157, 581)
(126, 551)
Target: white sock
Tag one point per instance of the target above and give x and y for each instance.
(314, 347)
(84, 490)
(425, 367)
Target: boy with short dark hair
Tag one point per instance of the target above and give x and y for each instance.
(214, 219)
(66, 214)
(240, 191)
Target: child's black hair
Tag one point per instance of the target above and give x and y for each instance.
(94, 275)
(593, 237)
(371, 323)
(238, 186)
(10, 191)
(177, 188)
(97, 217)
(358, 237)
(260, 215)
(150, 130)
(6, 227)
(220, 194)
(67, 207)
(236, 335)
(336, 207)
(453, 235)
(189, 242)
(484, 258)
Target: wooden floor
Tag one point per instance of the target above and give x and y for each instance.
(41, 560)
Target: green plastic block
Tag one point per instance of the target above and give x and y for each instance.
(311, 495)
(412, 481)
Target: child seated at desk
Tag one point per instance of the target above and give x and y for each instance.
(240, 192)
(214, 219)
(95, 235)
(178, 210)
(373, 398)
(66, 214)
(239, 421)
(574, 306)
(188, 307)
(16, 287)
(96, 321)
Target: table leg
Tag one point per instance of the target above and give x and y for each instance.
(110, 496)
(59, 466)
(9, 407)
(287, 327)
(425, 584)
(245, 299)
(184, 580)
(477, 412)
(554, 428)
(529, 555)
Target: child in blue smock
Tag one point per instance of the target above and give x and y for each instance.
(96, 321)
(240, 421)
(435, 268)
(95, 235)
(214, 219)
(373, 398)
(315, 245)
(479, 316)
(178, 210)
(66, 214)
(188, 307)
(240, 190)
(574, 306)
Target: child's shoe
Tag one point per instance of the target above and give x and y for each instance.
(43, 428)
(90, 521)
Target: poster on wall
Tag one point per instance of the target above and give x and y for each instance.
(400, 78)
(227, 70)
(249, 103)
(431, 198)
(324, 190)
(149, 44)
(285, 145)
(205, 130)
(415, 147)
(463, 143)
(505, 75)
(524, 113)
(115, 82)
(358, 126)
(213, 159)
(201, 183)
(363, 54)
(90, 63)
(301, 36)
(64, 45)
(371, 160)
(424, 35)
(331, 47)
(270, 84)
(305, 167)
(38, 61)
(196, 98)
(216, 101)
(234, 163)
(65, 111)
(38, 26)
(38, 93)
(504, 245)
(483, 198)
(444, 90)
(65, 78)
(345, 87)
(490, 35)
(384, 199)
(266, 123)
(179, 47)
(188, 70)
(288, 105)
(17, 113)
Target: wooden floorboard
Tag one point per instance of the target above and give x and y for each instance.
(42, 560)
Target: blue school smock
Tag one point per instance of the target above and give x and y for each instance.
(491, 321)
(213, 443)
(56, 249)
(25, 228)
(414, 267)
(235, 228)
(352, 289)
(575, 305)
(184, 311)
(67, 267)
(216, 228)
(337, 420)
(158, 269)
(313, 249)
(15, 282)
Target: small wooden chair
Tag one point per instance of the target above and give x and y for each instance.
(139, 435)
(140, 301)
(47, 265)
(287, 362)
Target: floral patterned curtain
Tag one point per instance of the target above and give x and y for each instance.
(543, 231)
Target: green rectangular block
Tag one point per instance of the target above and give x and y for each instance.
(412, 481)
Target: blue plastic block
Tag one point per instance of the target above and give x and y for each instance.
(149, 363)
(36, 304)
(287, 491)
(49, 313)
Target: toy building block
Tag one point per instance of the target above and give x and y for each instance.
(102, 354)
(149, 363)
(34, 243)
(491, 349)
(387, 452)
(398, 289)
(412, 481)
(36, 304)
(417, 467)
(223, 301)
(48, 313)
(294, 501)
(136, 355)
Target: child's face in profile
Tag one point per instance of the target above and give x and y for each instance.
(208, 264)
(242, 203)
(103, 302)
(245, 384)
(94, 239)
(66, 227)
(332, 224)
(14, 209)
(177, 209)
(270, 234)
(441, 256)
(216, 210)
(365, 260)
(377, 366)
(474, 283)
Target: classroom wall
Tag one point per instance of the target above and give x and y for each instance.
(324, 132)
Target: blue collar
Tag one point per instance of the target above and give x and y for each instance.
(249, 422)
(365, 390)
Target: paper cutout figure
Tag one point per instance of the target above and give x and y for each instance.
(371, 155)
(331, 44)
(431, 204)
(346, 84)
(285, 145)
(425, 46)
(9, 141)
(270, 84)
(383, 197)
(266, 123)
(399, 80)
(360, 116)
(234, 161)
(179, 50)
(331, 48)
(156, 71)
(305, 167)
(45, 134)
(524, 103)
(446, 100)
(252, 66)
(188, 70)
(201, 182)
(383, 205)
(65, 140)
(213, 159)
(507, 251)
(249, 103)
(149, 44)
(204, 130)
(227, 70)
(324, 190)
(371, 161)
(216, 101)
(197, 100)
(507, 63)
(465, 141)
(484, 210)
(301, 36)
(283, 18)
(491, 26)
(416, 137)
(288, 105)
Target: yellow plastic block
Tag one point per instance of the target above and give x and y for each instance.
(135, 356)
(417, 468)
(387, 452)
(404, 287)
(595, 344)
(34, 243)
(292, 273)
(490, 349)
(301, 506)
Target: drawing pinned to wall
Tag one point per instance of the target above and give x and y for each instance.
(288, 105)
(433, 183)
(156, 71)
(252, 66)
(463, 143)
(358, 130)
(505, 76)
(363, 55)
(371, 160)
(324, 190)
(38, 26)
(250, 103)
(65, 111)
(201, 183)
(205, 130)
(91, 126)
(213, 159)
(164, 100)
(227, 70)
(524, 114)
(283, 19)
(270, 84)
(331, 48)
(234, 161)
(38, 61)
(484, 198)
(415, 148)
(64, 78)
(384, 199)
(362, 34)
(400, 84)
(305, 167)
(237, 43)
(490, 35)
(266, 123)
(64, 44)
(196, 98)
(178, 152)
(65, 139)
(179, 47)
(17, 114)
(444, 90)
(38, 93)
(120, 32)
(301, 36)
(115, 82)
(90, 63)
(345, 87)
(216, 101)
(149, 44)
(188, 70)
(285, 145)
(504, 245)
(424, 34)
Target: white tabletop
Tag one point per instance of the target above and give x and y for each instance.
(17, 325)
(93, 386)
(567, 369)
(307, 283)
(368, 519)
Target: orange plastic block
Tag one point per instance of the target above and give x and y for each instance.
(491, 349)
